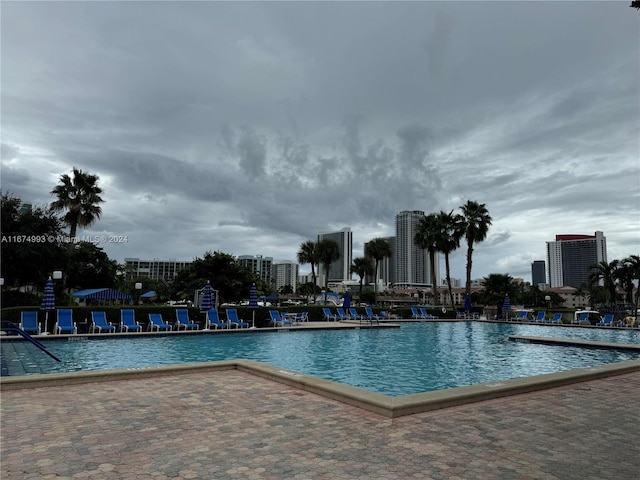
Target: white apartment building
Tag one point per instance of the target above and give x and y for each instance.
(412, 266)
(340, 270)
(285, 273)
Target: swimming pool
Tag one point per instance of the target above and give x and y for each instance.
(417, 357)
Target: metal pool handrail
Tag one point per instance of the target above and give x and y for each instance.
(12, 327)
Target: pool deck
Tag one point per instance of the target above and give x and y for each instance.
(245, 420)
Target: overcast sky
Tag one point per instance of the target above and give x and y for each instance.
(247, 128)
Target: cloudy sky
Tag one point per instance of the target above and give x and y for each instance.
(248, 127)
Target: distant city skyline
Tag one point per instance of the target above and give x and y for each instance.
(256, 125)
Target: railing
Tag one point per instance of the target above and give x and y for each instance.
(12, 327)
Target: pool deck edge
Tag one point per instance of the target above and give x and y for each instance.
(384, 405)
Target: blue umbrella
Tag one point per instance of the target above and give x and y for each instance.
(207, 293)
(48, 302)
(346, 302)
(253, 303)
(506, 306)
(467, 303)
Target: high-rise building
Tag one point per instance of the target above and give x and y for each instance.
(412, 266)
(538, 272)
(259, 265)
(165, 270)
(571, 258)
(340, 270)
(285, 273)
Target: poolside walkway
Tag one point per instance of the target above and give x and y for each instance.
(234, 425)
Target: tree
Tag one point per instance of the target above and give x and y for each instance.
(328, 251)
(378, 248)
(362, 267)
(451, 231)
(425, 236)
(233, 281)
(495, 287)
(308, 254)
(628, 275)
(605, 272)
(476, 226)
(31, 246)
(88, 266)
(80, 197)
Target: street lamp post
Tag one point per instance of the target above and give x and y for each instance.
(138, 287)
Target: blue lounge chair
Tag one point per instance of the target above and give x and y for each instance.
(426, 314)
(213, 320)
(583, 319)
(461, 315)
(232, 318)
(29, 322)
(64, 322)
(539, 317)
(342, 315)
(354, 314)
(557, 318)
(183, 320)
(521, 317)
(156, 322)
(277, 320)
(128, 321)
(302, 317)
(99, 323)
(607, 321)
(370, 316)
(328, 316)
(417, 314)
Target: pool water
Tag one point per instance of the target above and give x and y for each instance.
(416, 357)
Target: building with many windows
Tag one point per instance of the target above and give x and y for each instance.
(164, 270)
(340, 270)
(412, 266)
(259, 265)
(571, 258)
(538, 273)
(285, 273)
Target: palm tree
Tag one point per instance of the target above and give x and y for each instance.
(605, 272)
(495, 287)
(628, 273)
(425, 236)
(80, 196)
(477, 221)
(451, 231)
(308, 253)
(362, 267)
(328, 252)
(378, 248)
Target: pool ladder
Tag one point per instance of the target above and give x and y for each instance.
(12, 327)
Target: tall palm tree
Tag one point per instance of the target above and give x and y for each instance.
(308, 253)
(627, 274)
(362, 267)
(328, 252)
(427, 230)
(451, 230)
(378, 248)
(605, 272)
(477, 221)
(80, 197)
(495, 287)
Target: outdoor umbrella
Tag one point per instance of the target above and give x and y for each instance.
(506, 307)
(207, 294)
(346, 302)
(253, 304)
(467, 303)
(48, 303)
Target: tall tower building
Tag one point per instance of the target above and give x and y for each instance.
(412, 267)
(538, 273)
(285, 273)
(386, 267)
(571, 257)
(340, 270)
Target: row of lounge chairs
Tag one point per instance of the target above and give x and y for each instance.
(420, 313)
(353, 314)
(64, 322)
